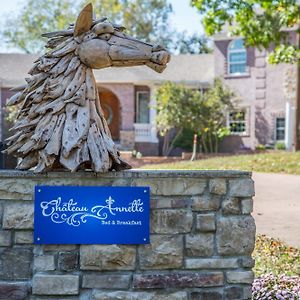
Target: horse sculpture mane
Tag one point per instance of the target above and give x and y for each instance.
(61, 123)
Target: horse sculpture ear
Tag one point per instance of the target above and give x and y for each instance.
(84, 20)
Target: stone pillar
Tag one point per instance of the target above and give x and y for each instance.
(202, 235)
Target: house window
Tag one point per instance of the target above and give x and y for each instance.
(237, 122)
(280, 129)
(237, 57)
(142, 107)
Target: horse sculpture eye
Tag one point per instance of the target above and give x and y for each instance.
(105, 36)
(103, 27)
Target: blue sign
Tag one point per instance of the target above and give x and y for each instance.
(91, 215)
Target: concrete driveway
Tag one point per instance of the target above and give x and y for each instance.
(277, 206)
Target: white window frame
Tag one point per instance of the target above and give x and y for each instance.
(229, 63)
(246, 112)
(276, 139)
(137, 105)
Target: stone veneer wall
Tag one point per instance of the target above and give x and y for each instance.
(202, 237)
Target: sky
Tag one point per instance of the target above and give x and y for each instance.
(184, 17)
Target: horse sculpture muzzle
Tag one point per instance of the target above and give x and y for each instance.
(119, 50)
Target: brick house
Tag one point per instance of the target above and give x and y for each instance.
(127, 94)
(266, 92)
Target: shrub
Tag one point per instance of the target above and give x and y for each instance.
(271, 287)
(260, 147)
(280, 146)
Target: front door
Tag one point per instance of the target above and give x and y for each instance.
(111, 108)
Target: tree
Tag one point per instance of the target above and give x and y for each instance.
(23, 30)
(217, 102)
(177, 106)
(180, 108)
(192, 44)
(260, 23)
(144, 19)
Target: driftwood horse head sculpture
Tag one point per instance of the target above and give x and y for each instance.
(61, 122)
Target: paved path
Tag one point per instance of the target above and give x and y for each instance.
(277, 206)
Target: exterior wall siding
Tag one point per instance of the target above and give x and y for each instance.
(261, 91)
(244, 88)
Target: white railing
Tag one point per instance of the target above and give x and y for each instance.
(145, 133)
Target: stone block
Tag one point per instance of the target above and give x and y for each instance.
(177, 280)
(235, 235)
(207, 295)
(171, 221)
(18, 216)
(260, 53)
(164, 252)
(247, 206)
(260, 62)
(211, 263)
(201, 244)
(173, 186)
(44, 263)
(23, 237)
(13, 290)
(217, 186)
(247, 262)
(101, 295)
(55, 284)
(1, 212)
(84, 295)
(5, 238)
(205, 222)
(106, 281)
(56, 248)
(107, 257)
(240, 277)
(241, 187)
(206, 202)
(68, 261)
(260, 83)
(261, 73)
(15, 263)
(172, 296)
(231, 206)
(260, 94)
(22, 190)
(247, 292)
(260, 105)
(233, 293)
(167, 202)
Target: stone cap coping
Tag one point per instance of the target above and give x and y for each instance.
(134, 173)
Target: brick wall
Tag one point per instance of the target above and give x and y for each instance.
(202, 237)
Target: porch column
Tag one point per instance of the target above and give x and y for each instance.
(153, 112)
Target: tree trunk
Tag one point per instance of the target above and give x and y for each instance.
(216, 143)
(204, 142)
(297, 119)
(211, 148)
(171, 146)
(166, 144)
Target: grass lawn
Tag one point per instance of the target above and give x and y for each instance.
(271, 162)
